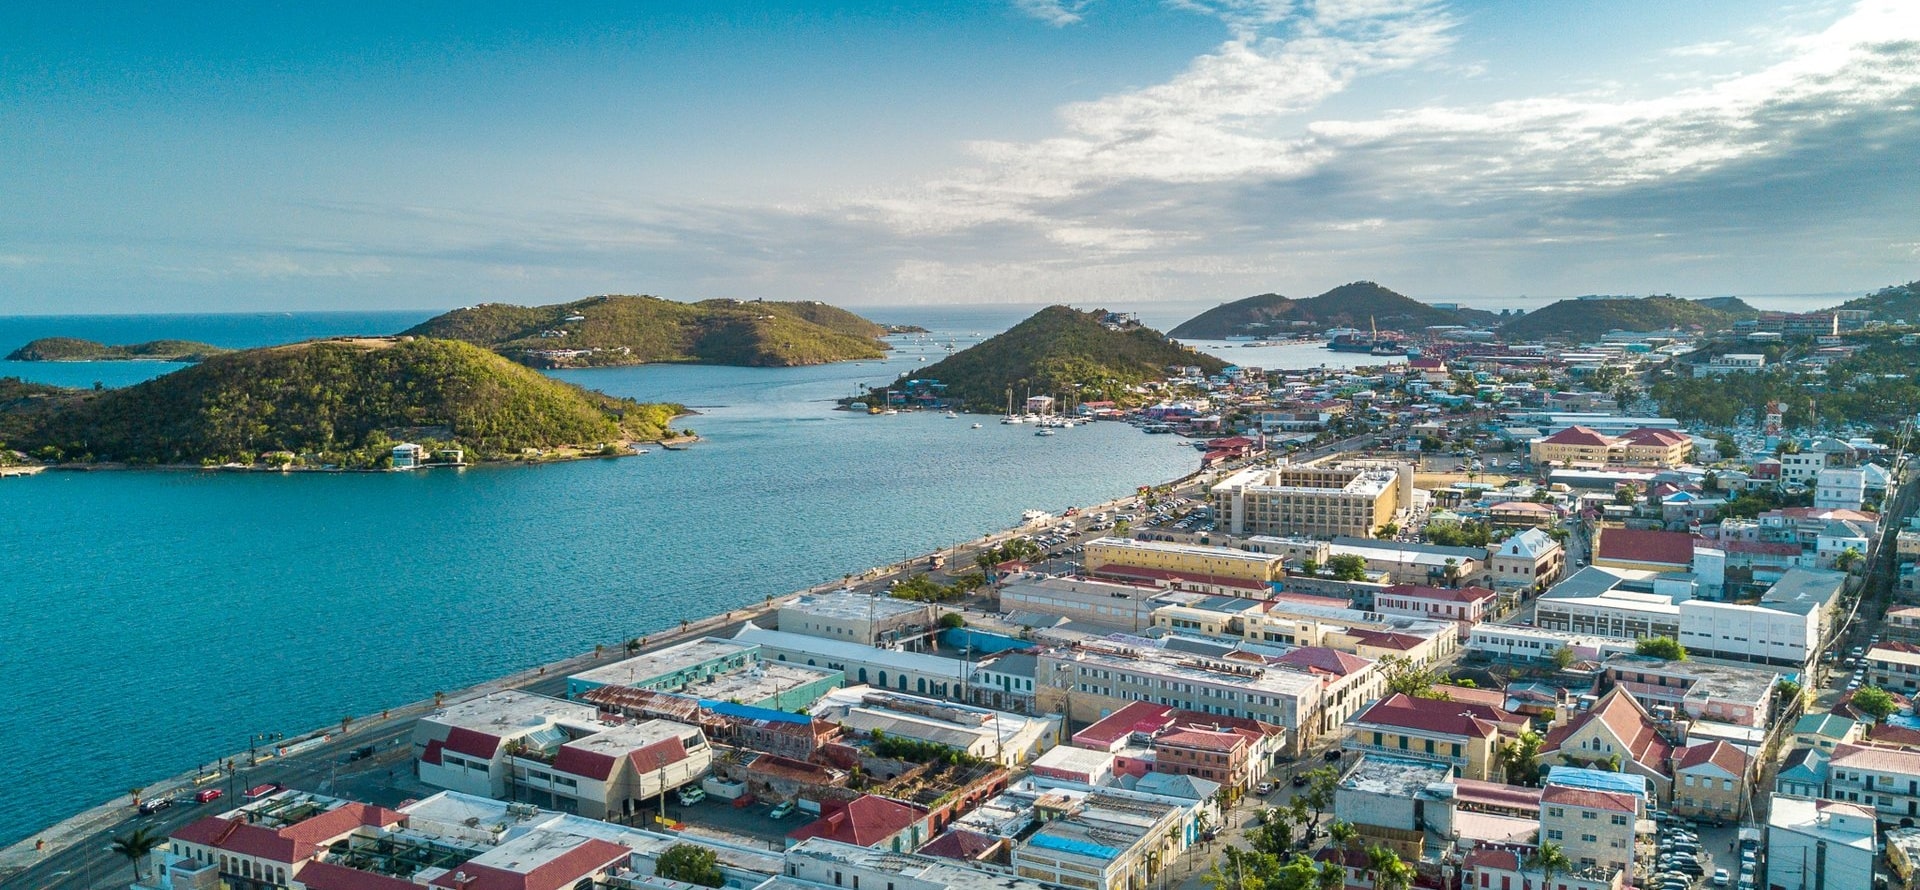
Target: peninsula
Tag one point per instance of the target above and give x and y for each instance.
(1586, 318)
(1100, 355)
(631, 330)
(1361, 304)
(73, 349)
(340, 403)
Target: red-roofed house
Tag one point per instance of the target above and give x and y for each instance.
(539, 860)
(1640, 448)
(1616, 730)
(1710, 779)
(1594, 828)
(1640, 549)
(1348, 681)
(1111, 732)
(266, 851)
(1462, 735)
(1573, 445)
(1465, 606)
(868, 821)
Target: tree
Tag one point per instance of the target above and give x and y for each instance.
(952, 620)
(1321, 785)
(1452, 571)
(633, 645)
(135, 845)
(346, 721)
(1310, 567)
(1848, 558)
(1874, 702)
(1626, 494)
(1343, 834)
(1274, 834)
(1348, 567)
(1661, 647)
(135, 793)
(1563, 656)
(1407, 678)
(690, 864)
(1389, 871)
(1388, 530)
(1789, 691)
(1520, 758)
(1550, 860)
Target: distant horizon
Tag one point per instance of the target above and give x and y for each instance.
(320, 158)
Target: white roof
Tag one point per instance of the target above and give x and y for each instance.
(799, 646)
(1530, 544)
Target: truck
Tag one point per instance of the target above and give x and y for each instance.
(936, 562)
(725, 789)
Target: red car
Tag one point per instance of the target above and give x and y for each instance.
(209, 795)
(259, 791)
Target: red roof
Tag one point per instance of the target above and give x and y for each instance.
(1651, 436)
(1386, 639)
(1630, 725)
(1140, 716)
(1578, 435)
(866, 821)
(591, 857)
(289, 845)
(1641, 545)
(471, 743)
(1718, 753)
(1202, 739)
(581, 762)
(1323, 659)
(1440, 716)
(1442, 594)
(961, 844)
(327, 876)
(1620, 801)
(1474, 791)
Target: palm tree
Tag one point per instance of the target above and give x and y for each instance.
(1550, 860)
(346, 722)
(1389, 872)
(1331, 876)
(439, 698)
(135, 845)
(135, 793)
(1342, 834)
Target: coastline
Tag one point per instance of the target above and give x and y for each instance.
(23, 854)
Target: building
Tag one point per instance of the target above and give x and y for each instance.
(1394, 802)
(1710, 779)
(914, 672)
(872, 620)
(1465, 606)
(1839, 488)
(1100, 841)
(1310, 500)
(1004, 682)
(1008, 739)
(270, 842)
(1499, 868)
(1090, 680)
(1347, 681)
(1697, 690)
(1405, 562)
(820, 863)
(1533, 645)
(1117, 606)
(1144, 738)
(1616, 734)
(1162, 562)
(1523, 514)
(1788, 626)
(712, 669)
(408, 456)
(1578, 446)
(1731, 363)
(463, 746)
(1804, 774)
(1642, 550)
(1463, 736)
(1531, 560)
(1885, 779)
(1894, 667)
(1824, 732)
(1594, 602)
(1596, 829)
(1819, 845)
(1903, 622)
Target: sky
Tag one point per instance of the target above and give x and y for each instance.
(239, 157)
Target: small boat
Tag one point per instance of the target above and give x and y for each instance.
(976, 426)
(949, 414)
(1044, 431)
(1012, 419)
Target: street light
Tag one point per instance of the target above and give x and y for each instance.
(253, 744)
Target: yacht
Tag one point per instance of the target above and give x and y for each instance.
(976, 426)
(1044, 431)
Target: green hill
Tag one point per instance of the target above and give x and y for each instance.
(342, 401)
(631, 330)
(72, 349)
(1053, 350)
(1361, 304)
(1890, 304)
(1589, 319)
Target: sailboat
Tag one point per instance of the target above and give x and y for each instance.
(1011, 417)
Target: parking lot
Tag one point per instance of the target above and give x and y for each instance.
(747, 825)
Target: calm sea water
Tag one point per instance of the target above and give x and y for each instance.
(155, 620)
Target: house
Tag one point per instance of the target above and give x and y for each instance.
(1522, 514)
(1819, 844)
(408, 456)
(1884, 779)
(1463, 736)
(1347, 681)
(1894, 666)
(1594, 828)
(1617, 732)
(1530, 560)
(1710, 779)
(1824, 732)
(1465, 606)
(868, 821)
(1804, 774)
(270, 841)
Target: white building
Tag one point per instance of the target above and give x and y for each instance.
(1733, 631)
(1118, 606)
(1839, 489)
(1819, 845)
(1091, 680)
(1884, 779)
(1732, 363)
(1518, 643)
(913, 672)
(855, 617)
(1009, 739)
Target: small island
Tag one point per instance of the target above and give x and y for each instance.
(342, 403)
(1361, 304)
(1587, 318)
(1059, 351)
(632, 330)
(73, 349)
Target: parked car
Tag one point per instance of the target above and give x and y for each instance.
(691, 795)
(1720, 878)
(1264, 788)
(780, 810)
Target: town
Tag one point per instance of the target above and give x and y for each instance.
(1488, 615)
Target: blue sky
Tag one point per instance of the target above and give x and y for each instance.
(226, 157)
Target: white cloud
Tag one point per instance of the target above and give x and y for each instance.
(1058, 13)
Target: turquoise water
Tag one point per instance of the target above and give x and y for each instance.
(157, 619)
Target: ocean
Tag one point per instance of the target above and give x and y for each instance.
(157, 619)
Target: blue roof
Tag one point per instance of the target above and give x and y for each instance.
(749, 712)
(1073, 845)
(1598, 780)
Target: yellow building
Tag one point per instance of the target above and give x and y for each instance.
(1710, 779)
(1350, 499)
(1462, 735)
(1162, 560)
(1644, 447)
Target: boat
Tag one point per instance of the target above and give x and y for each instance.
(1044, 431)
(949, 414)
(1012, 418)
(976, 426)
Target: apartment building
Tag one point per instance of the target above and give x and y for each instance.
(1091, 680)
(1594, 828)
(1460, 735)
(1710, 779)
(1353, 499)
(1163, 562)
(1886, 779)
(1819, 845)
(1583, 446)
(1895, 667)
(1699, 690)
(1465, 606)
